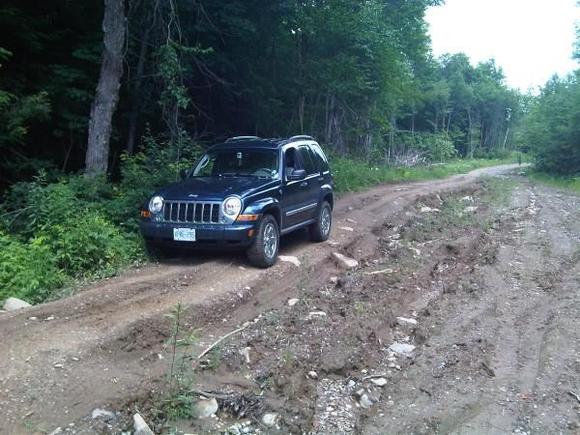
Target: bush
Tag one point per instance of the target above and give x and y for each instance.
(89, 245)
(27, 270)
(78, 227)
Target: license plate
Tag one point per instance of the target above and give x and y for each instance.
(184, 234)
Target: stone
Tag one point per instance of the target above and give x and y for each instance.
(102, 413)
(140, 427)
(333, 279)
(425, 209)
(57, 431)
(13, 304)
(349, 229)
(205, 408)
(405, 321)
(365, 402)
(471, 209)
(270, 418)
(402, 348)
(289, 259)
(379, 382)
(312, 374)
(293, 301)
(245, 352)
(344, 261)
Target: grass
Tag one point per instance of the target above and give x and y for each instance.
(454, 212)
(568, 183)
(353, 176)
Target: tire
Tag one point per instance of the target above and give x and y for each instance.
(264, 251)
(320, 230)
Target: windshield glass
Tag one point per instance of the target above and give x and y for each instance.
(238, 163)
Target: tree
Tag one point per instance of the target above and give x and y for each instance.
(107, 93)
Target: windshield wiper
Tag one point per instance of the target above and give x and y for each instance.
(235, 174)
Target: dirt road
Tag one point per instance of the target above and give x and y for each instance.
(495, 301)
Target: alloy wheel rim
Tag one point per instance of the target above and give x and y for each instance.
(270, 240)
(325, 221)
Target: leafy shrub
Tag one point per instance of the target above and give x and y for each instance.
(88, 245)
(79, 227)
(27, 270)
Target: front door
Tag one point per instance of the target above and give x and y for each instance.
(299, 197)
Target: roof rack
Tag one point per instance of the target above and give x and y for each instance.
(300, 137)
(237, 138)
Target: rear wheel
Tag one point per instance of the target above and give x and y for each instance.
(264, 251)
(320, 230)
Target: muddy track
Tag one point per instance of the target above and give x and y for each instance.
(60, 360)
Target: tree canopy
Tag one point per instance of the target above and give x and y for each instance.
(359, 76)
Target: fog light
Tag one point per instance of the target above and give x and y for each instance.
(145, 213)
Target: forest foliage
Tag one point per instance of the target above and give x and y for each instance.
(359, 76)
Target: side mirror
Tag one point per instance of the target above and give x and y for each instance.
(298, 174)
(183, 174)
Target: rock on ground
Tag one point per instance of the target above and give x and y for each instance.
(12, 304)
(205, 408)
(293, 301)
(270, 419)
(140, 426)
(402, 348)
(102, 413)
(289, 259)
(344, 261)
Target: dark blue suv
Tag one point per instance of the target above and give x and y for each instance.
(244, 193)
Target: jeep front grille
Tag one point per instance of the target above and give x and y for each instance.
(191, 212)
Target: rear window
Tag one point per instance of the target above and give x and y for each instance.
(320, 157)
(307, 157)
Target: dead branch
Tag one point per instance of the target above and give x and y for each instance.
(214, 344)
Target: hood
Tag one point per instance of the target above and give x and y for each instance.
(214, 188)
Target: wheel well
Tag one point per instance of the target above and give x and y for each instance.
(330, 199)
(274, 212)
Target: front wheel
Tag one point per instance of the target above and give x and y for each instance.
(264, 251)
(320, 230)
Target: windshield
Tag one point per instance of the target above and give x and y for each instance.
(238, 163)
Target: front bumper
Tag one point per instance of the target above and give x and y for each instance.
(220, 236)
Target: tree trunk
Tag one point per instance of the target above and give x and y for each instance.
(107, 93)
(470, 134)
(135, 91)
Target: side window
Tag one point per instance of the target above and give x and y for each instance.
(320, 157)
(307, 160)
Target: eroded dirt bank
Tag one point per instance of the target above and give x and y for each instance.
(489, 275)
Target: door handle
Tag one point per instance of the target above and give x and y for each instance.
(304, 184)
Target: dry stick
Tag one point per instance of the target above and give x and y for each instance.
(366, 378)
(229, 334)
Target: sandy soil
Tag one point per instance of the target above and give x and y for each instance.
(494, 294)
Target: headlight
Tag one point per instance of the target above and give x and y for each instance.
(156, 204)
(231, 207)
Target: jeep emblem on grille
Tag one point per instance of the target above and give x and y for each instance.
(193, 195)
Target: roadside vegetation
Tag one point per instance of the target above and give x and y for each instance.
(561, 182)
